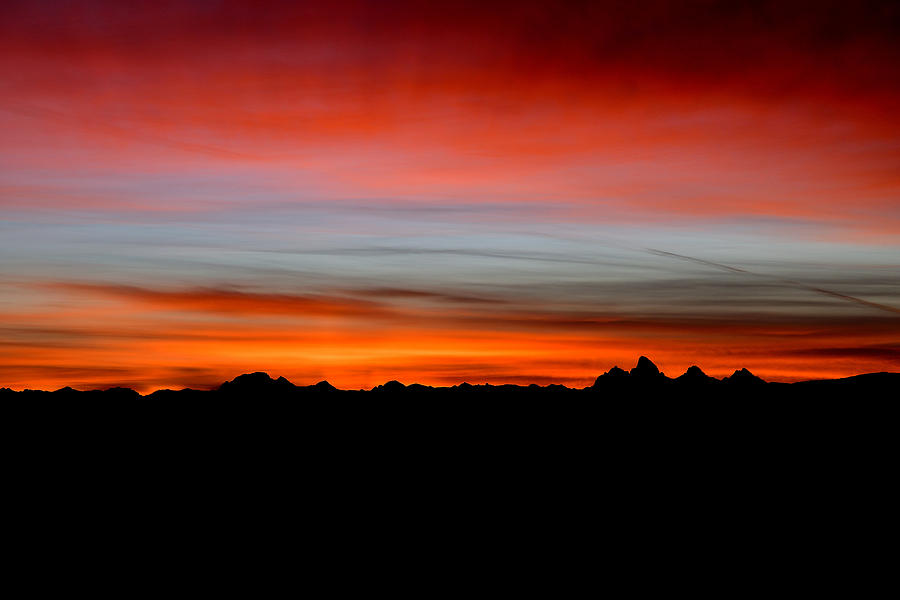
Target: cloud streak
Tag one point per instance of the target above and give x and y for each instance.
(357, 190)
(831, 293)
(188, 337)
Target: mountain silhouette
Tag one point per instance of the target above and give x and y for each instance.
(695, 376)
(613, 373)
(644, 372)
(255, 381)
(645, 369)
(392, 387)
(324, 387)
(643, 381)
(743, 377)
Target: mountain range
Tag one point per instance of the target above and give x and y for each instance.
(644, 380)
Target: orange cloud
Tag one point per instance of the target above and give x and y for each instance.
(234, 302)
(198, 338)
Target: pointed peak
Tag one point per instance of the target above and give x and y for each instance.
(645, 368)
(695, 374)
(744, 376)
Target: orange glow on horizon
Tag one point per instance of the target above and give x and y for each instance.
(154, 340)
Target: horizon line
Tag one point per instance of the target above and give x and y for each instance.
(644, 371)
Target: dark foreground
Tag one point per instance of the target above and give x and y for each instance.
(639, 428)
(636, 463)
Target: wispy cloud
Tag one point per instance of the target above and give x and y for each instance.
(790, 282)
(348, 190)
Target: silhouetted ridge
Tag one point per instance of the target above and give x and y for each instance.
(743, 377)
(390, 386)
(646, 370)
(882, 378)
(613, 375)
(644, 381)
(258, 381)
(695, 375)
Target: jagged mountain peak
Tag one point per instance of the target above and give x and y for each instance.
(645, 368)
(743, 376)
(695, 374)
(255, 380)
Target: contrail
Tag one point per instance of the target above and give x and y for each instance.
(850, 298)
(797, 284)
(707, 263)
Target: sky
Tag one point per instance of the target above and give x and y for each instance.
(438, 192)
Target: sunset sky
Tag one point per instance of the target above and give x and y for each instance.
(434, 192)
